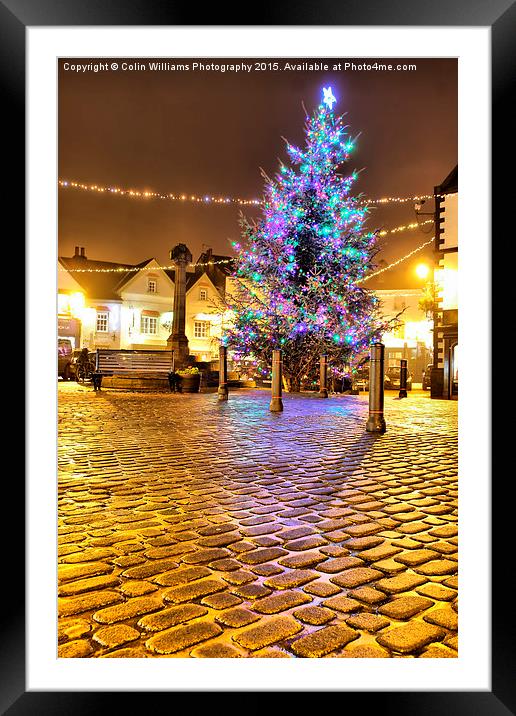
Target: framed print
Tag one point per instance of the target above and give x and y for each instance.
(251, 453)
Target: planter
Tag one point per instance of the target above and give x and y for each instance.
(190, 383)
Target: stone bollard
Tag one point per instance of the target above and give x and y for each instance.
(323, 377)
(276, 405)
(376, 421)
(403, 379)
(223, 373)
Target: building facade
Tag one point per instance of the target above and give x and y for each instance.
(122, 306)
(445, 372)
(412, 339)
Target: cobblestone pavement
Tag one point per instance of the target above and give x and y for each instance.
(192, 528)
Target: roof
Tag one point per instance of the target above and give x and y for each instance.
(451, 183)
(100, 284)
(107, 285)
(192, 278)
(217, 259)
(171, 273)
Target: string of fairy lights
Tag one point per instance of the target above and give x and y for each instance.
(405, 227)
(211, 199)
(121, 269)
(398, 261)
(153, 267)
(208, 198)
(136, 269)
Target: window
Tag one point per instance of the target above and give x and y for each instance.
(149, 325)
(203, 294)
(102, 322)
(152, 286)
(201, 329)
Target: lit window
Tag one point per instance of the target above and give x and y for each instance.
(203, 294)
(149, 325)
(102, 321)
(201, 329)
(152, 286)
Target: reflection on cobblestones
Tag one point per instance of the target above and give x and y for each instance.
(189, 527)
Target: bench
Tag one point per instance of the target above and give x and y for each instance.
(131, 364)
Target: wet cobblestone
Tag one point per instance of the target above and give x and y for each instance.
(191, 528)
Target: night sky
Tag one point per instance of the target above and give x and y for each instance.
(209, 132)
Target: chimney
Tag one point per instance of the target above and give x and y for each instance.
(83, 255)
(76, 252)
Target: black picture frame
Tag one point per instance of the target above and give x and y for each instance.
(500, 16)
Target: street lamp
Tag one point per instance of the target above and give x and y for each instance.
(422, 270)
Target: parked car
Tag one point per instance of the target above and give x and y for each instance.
(73, 364)
(64, 358)
(427, 375)
(361, 378)
(391, 379)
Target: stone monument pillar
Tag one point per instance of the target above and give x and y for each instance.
(177, 341)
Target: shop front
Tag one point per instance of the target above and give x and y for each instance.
(69, 328)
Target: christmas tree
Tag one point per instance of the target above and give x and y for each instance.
(299, 267)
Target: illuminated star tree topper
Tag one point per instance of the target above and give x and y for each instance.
(329, 99)
(299, 267)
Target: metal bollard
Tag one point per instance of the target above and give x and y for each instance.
(276, 405)
(323, 377)
(376, 421)
(403, 378)
(223, 373)
(97, 375)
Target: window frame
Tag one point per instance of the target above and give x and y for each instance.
(101, 317)
(205, 332)
(148, 321)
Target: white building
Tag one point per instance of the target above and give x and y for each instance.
(122, 306)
